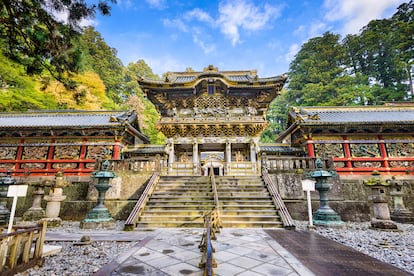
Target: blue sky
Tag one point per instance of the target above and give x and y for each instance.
(230, 34)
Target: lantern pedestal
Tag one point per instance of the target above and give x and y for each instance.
(324, 216)
(99, 217)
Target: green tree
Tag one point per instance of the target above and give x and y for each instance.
(102, 59)
(33, 37)
(316, 65)
(147, 114)
(383, 52)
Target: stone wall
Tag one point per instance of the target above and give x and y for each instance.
(348, 196)
(81, 196)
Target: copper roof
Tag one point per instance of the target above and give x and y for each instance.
(231, 78)
(65, 118)
(357, 114)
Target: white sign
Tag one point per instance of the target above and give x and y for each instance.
(17, 190)
(308, 185)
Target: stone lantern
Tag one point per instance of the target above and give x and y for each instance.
(324, 216)
(55, 198)
(399, 213)
(382, 219)
(5, 182)
(100, 216)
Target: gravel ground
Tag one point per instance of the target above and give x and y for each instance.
(396, 248)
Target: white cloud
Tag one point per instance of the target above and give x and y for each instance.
(63, 16)
(207, 49)
(293, 50)
(125, 4)
(175, 23)
(162, 64)
(199, 15)
(357, 13)
(316, 29)
(243, 14)
(299, 30)
(158, 4)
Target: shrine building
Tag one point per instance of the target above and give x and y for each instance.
(213, 119)
(360, 139)
(42, 143)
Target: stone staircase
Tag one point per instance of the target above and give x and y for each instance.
(181, 201)
(245, 202)
(178, 201)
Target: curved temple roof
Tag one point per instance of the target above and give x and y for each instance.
(64, 118)
(231, 78)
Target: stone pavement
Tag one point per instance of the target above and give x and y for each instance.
(174, 251)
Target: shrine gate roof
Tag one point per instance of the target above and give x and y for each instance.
(230, 78)
(65, 118)
(389, 118)
(358, 115)
(183, 89)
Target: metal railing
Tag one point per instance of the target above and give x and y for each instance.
(16, 252)
(207, 259)
(142, 201)
(277, 199)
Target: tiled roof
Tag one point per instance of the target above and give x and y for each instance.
(279, 149)
(150, 149)
(368, 114)
(64, 119)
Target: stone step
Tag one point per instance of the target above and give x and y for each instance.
(244, 207)
(183, 212)
(183, 202)
(182, 197)
(250, 218)
(180, 207)
(170, 217)
(185, 187)
(242, 212)
(178, 193)
(169, 224)
(152, 202)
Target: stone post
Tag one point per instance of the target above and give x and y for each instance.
(170, 156)
(36, 212)
(382, 218)
(253, 156)
(195, 158)
(228, 157)
(399, 213)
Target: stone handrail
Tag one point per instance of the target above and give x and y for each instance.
(142, 201)
(273, 163)
(277, 199)
(135, 165)
(15, 248)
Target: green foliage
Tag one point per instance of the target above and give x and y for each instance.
(277, 117)
(102, 59)
(147, 114)
(368, 68)
(18, 91)
(35, 39)
(363, 69)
